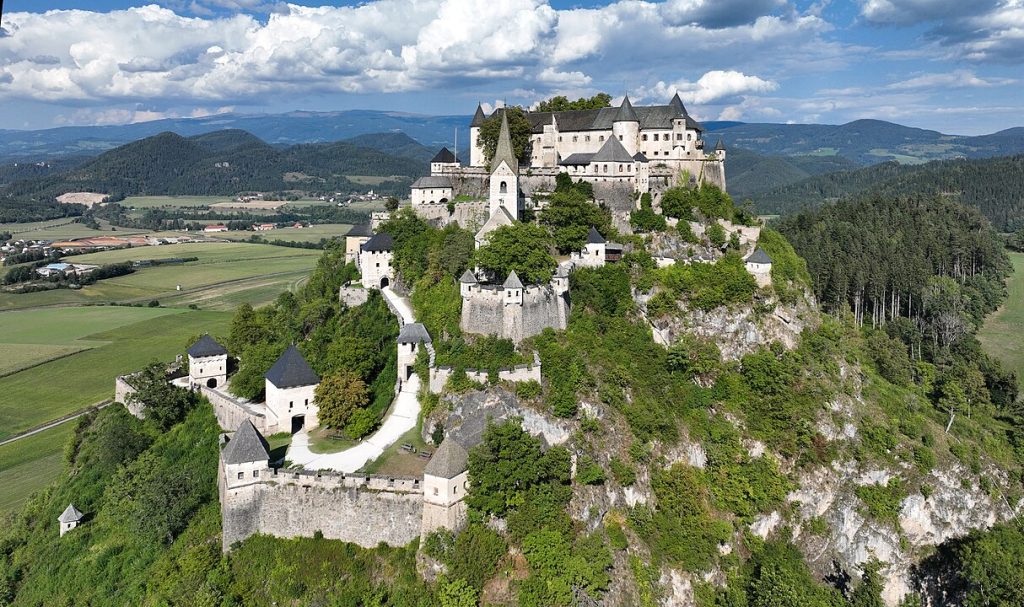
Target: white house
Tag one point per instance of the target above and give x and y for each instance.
(375, 257)
(409, 340)
(69, 519)
(291, 392)
(431, 190)
(760, 266)
(442, 161)
(207, 363)
(215, 228)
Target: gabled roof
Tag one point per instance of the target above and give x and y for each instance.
(478, 117)
(71, 514)
(513, 282)
(612, 151)
(360, 229)
(759, 256)
(445, 156)
(412, 333)
(639, 157)
(503, 152)
(594, 237)
(650, 117)
(499, 218)
(291, 370)
(247, 445)
(206, 346)
(468, 277)
(449, 461)
(381, 241)
(432, 182)
(626, 112)
(579, 158)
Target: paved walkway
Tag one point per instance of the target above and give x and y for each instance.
(405, 410)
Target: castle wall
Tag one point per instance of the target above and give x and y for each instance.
(520, 373)
(353, 296)
(468, 215)
(122, 391)
(484, 312)
(231, 413)
(362, 510)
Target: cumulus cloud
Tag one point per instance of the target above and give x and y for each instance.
(385, 46)
(904, 12)
(716, 85)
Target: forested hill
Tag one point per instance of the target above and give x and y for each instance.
(995, 186)
(222, 163)
(749, 173)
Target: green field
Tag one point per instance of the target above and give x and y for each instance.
(30, 464)
(32, 337)
(1002, 335)
(63, 229)
(223, 268)
(178, 202)
(313, 233)
(54, 389)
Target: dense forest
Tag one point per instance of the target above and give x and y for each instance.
(220, 163)
(995, 186)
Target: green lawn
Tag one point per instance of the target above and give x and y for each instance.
(30, 464)
(313, 233)
(251, 265)
(1002, 335)
(150, 202)
(48, 391)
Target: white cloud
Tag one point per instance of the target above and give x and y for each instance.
(717, 14)
(713, 86)
(947, 80)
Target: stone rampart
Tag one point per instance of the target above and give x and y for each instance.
(363, 510)
(469, 215)
(353, 296)
(485, 312)
(122, 393)
(520, 373)
(231, 411)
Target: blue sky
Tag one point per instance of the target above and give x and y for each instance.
(956, 66)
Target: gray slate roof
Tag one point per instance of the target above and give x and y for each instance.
(594, 237)
(612, 151)
(445, 156)
(206, 346)
(468, 277)
(360, 229)
(381, 241)
(448, 461)
(577, 159)
(478, 117)
(432, 182)
(626, 112)
(759, 256)
(720, 145)
(71, 514)
(412, 333)
(650, 117)
(247, 445)
(639, 157)
(504, 152)
(291, 370)
(513, 282)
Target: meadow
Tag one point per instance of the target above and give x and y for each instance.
(1002, 335)
(63, 229)
(313, 233)
(224, 268)
(172, 202)
(30, 464)
(60, 387)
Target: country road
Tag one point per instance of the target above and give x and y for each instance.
(55, 423)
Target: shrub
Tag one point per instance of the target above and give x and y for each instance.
(624, 473)
(883, 501)
(716, 234)
(589, 472)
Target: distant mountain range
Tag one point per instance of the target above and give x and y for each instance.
(225, 162)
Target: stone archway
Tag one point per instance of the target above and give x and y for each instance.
(384, 282)
(298, 422)
(211, 383)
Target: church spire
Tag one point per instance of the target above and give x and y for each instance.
(503, 151)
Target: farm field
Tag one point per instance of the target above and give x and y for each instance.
(222, 266)
(32, 337)
(63, 229)
(30, 464)
(1002, 335)
(373, 179)
(178, 202)
(313, 233)
(33, 396)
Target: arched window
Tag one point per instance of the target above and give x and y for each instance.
(503, 188)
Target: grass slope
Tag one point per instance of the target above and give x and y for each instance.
(1003, 332)
(31, 464)
(51, 390)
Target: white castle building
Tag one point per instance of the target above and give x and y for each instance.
(207, 364)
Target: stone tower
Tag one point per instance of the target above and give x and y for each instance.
(207, 364)
(476, 151)
(504, 186)
(244, 466)
(69, 519)
(375, 256)
(291, 389)
(409, 340)
(720, 149)
(467, 282)
(626, 126)
(445, 482)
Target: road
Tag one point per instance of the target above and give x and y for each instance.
(55, 423)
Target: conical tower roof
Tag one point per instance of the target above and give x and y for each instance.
(513, 282)
(70, 515)
(291, 370)
(478, 117)
(503, 152)
(626, 112)
(677, 105)
(448, 461)
(594, 237)
(720, 145)
(468, 277)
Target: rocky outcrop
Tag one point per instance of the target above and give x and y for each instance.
(465, 417)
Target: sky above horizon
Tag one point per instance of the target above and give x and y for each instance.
(955, 66)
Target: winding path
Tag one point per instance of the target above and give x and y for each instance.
(401, 418)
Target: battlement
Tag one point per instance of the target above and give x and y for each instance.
(337, 480)
(519, 373)
(515, 313)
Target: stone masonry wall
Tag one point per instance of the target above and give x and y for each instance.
(519, 373)
(231, 413)
(469, 215)
(485, 313)
(286, 507)
(122, 390)
(353, 296)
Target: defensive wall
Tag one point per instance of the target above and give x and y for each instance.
(469, 215)
(362, 509)
(353, 296)
(520, 373)
(122, 391)
(232, 411)
(485, 311)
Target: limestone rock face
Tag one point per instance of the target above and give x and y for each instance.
(465, 417)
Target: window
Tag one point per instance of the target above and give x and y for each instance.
(601, 138)
(255, 473)
(559, 139)
(307, 402)
(200, 370)
(455, 488)
(655, 136)
(291, 404)
(503, 188)
(575, 138)
(241, 475)
(620, 137)
(689, 136)
(378, 264)
(586, 138)
(679, 136)
(435, 490)
(645, 137)
(606, 168)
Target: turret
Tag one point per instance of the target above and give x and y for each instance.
(626, 126)
(409, 339)
(445, 483)
(720, 149)
(476, 151)
(560, 281)
(513, 288)
(594, 251)
(69, 519)
(467, 282)
(246, 457)
(207, 364)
